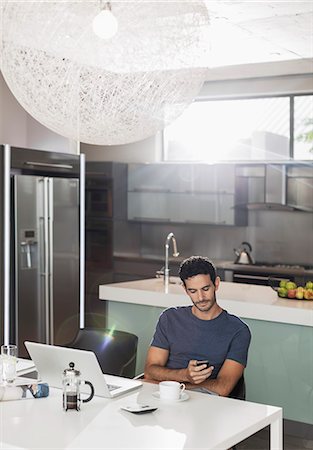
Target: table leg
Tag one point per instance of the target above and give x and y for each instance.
(276, 432)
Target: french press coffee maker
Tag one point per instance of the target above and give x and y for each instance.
(71, 388)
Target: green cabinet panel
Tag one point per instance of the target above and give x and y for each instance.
(280, 368)
(138, 319)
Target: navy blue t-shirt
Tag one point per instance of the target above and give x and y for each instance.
(186, 337)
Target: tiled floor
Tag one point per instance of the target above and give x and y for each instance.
(260, 441)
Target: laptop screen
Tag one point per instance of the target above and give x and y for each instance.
(51, 361)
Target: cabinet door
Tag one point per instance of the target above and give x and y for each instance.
(160, 177)
(150, 206)
(198, 193)
(300, 186)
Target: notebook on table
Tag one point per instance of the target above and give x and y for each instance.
(51, 360)
(24, 366)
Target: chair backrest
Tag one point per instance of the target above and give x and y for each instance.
(116, 350)
(239, 390)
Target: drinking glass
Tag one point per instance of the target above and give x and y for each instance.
(9, 359)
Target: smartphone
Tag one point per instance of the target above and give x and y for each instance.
(206, 362)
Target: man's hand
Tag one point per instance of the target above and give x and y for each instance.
(198, 374)
(155, 369)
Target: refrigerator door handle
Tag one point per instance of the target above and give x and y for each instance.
(82, 242)
(50, 251)
(41, 164)
(46, 258)
(6, 243)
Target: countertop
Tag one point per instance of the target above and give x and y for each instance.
(244, 300)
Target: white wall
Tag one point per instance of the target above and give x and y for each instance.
(148, 150)
(13, 120)
(19, 129)
(261, 70)
(41, 138)
(269, 85)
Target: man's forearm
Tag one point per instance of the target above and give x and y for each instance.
(160, 373)
(219, 386)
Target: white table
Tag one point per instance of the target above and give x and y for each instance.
(201, 422)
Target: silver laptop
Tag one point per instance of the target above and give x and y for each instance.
(51, 360)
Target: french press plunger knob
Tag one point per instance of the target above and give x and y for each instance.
(71, 388)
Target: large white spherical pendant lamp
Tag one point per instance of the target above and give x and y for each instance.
(117, 85)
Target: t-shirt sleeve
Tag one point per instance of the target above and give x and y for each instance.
(238, 349)
(160, 337)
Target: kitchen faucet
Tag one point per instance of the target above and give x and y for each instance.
(170, 237)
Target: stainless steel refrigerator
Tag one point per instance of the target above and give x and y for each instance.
(42, 297)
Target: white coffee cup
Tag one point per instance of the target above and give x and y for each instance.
(171, 390)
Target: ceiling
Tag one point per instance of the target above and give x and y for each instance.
(245, 32)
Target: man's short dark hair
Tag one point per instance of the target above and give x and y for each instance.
(197, 265)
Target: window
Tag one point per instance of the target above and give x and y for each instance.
(242, 129)
(303, 127)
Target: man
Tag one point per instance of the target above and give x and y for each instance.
(203, 331)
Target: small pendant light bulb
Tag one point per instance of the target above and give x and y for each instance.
(105, 24)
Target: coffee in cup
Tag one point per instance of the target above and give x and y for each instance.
(171, 390)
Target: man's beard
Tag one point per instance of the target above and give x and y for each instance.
(207, 304)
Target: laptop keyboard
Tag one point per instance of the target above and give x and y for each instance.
(112, 387)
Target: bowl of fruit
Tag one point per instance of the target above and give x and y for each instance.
(289, 289)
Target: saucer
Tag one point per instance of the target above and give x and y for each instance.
(184, 396)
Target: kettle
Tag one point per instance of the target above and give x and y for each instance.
(243, 254)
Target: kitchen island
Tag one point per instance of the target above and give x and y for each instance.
(280, 365)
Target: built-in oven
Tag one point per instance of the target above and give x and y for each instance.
(99, 237)
(98, 196)
(258, 278)
(270, 275)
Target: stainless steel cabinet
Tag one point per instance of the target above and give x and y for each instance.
(182, 193)
(282, 186)
(300, 186)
